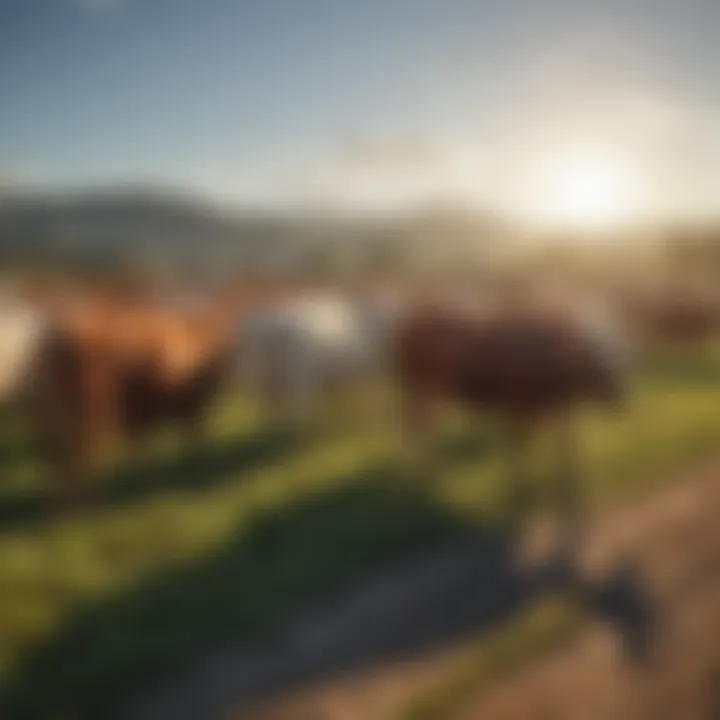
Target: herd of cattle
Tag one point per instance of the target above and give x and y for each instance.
(91, 366)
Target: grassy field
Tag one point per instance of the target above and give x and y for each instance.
(183, 553)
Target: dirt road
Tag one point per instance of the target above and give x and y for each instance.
(672, 545)
(648, 573)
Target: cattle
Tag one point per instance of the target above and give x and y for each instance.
(527, 364)
(296, 349)
(107, 373)
(21, 328)
(673, 316)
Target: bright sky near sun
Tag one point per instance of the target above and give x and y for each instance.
(560, 111)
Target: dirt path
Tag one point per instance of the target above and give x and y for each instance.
(674, 546)
(650, 573)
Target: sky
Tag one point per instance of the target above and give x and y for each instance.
(538, 107)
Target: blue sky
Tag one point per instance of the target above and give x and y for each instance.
(292, 98)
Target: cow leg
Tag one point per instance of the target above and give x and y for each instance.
(72, 463)
(569, 486)
(57, 433)
(305, 388)
(302, 388)
(520, 480)
(194, 435)
(272, 401)
(419, 428)
(287, 395)
(142, 447)
(66, 452)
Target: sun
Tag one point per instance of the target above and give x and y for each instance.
(588, 188)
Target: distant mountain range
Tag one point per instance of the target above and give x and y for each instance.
(168, 229)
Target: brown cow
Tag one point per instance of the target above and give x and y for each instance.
(674, 316)
(523, 365)
(105, 373)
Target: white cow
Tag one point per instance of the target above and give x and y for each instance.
(21, 328)
(293, 351)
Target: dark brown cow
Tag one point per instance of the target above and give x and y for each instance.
(674, 316)
(524, 366)
(106, 373)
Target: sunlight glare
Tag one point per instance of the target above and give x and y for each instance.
(589, 189)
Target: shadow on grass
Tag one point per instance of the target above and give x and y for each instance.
(256, 591)
(471, 443)
(205, 469)
(14, 450)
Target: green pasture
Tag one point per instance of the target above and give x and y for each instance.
(184, 553)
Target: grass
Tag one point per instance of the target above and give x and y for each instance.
(182, 554)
